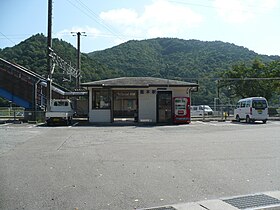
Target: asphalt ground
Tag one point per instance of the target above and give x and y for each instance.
(127, 167)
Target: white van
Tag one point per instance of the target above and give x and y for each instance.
(199, 110)
(251, 109)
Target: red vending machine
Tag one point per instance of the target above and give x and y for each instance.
(182, 110)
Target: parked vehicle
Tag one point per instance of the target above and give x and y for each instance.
(61, 112)
(251, 109)
(200, 110)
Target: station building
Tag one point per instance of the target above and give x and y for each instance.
(138, 99)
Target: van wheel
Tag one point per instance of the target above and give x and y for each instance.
(264, 121)
(237, 118)
(248, 119)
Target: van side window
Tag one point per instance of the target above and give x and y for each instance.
(243, 104)
(248, 103)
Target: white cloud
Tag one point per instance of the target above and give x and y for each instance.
(93, 32)
(120, 16)
(161, 18)
(268, 5)
(239, 11)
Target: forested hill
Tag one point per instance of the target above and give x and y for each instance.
(175, 58)
(161, 57)
(31, 54)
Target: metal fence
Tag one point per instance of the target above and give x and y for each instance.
(20, 114)
(217, 112)
(225, 112)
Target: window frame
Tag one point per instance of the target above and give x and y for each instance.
(95, 100)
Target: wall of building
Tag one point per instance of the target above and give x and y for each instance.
(100, 115)
(147, 105)
(180, 92)
(97, 115)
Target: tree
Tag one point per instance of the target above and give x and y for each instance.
(240, 83)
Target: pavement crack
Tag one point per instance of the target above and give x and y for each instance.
(64, 142)
(204, 207)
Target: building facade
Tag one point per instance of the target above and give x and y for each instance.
(138, 99)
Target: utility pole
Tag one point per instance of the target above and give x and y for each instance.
(78, 34)
(49, 60)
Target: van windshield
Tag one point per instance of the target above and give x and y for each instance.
(259, 104)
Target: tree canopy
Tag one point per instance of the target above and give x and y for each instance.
(258, 79)
(188, 60)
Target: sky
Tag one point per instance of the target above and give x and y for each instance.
(253, 24)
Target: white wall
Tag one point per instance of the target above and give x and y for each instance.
(100, 115)
(147, 106)
(180, 92)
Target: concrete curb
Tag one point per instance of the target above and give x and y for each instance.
(220, 204)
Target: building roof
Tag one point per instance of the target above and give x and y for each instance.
(138, 82)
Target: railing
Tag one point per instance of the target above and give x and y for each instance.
(20, 114)
(226, 112)
(10, 112)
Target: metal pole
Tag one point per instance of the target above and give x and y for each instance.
(203, 113)
(35, 98)
(78, 78)
(49, 60)
(78, 60)
(218, 88)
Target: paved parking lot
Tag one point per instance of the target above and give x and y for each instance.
(127, 167)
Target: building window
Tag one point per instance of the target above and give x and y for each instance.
(101, 99)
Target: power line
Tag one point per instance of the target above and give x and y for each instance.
(231, 79)
(108, 27)
(105, 35)
(8, 38)
(92, 15)
(246, 7)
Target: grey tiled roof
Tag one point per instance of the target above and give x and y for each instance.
(138, 82)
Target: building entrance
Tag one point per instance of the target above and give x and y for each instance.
(125, 105)
(164, 106)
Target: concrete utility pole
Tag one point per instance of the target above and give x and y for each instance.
(78, 34)
(49, 60)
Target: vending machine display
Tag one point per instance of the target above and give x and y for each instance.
(181, 110)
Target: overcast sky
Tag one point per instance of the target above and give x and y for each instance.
(253, 24)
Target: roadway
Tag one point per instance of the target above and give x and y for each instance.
(127, 167)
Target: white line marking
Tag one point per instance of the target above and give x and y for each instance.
(5, 124)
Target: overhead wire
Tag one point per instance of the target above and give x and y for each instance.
(247, 7)
(92, 15)
(82, 7)
(8, 38)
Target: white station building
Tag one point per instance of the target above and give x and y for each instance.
(138, 99)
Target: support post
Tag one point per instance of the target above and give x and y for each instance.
(78, 80)
(49, 60)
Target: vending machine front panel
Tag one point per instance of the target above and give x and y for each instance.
(181, 110)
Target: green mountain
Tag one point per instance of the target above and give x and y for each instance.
(32, 54)
(170, 57)
(189, 60)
